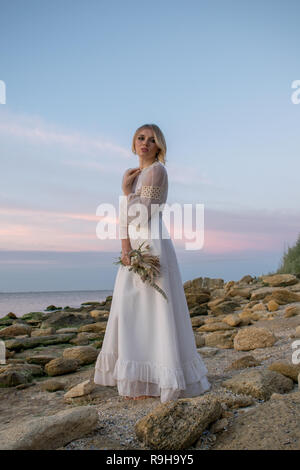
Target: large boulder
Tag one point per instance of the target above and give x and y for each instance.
(177, 424)
(12, 378)
(289, 370)
(12, 375)
(80, 390)
(59, 320)
(83, 354)
(28, 343)
(224, 307)
(253, 338)
(280, 280)
(215, 326)
(220, 339)
(273, 425)
(17, 329)
(61, 366)
(259, 383)
(94, 327)
(284, 296)
(43, 332)
(50, 432)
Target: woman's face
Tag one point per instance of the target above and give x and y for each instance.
(145, 145)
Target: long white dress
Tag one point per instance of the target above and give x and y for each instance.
(149, 345)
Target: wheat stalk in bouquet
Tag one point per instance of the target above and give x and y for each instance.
(147, 266)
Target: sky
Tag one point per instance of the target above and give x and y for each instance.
(82, 76)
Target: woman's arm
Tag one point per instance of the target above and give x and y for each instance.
(152, 193)
(128, 179)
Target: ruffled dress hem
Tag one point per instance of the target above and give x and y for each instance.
(134, 378)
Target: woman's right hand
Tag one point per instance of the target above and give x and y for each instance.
(128, 179)
(125, 258)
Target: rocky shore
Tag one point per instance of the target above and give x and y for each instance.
(247, 332)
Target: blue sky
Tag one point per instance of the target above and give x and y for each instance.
(81, 76)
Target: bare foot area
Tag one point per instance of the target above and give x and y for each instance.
(142, 397)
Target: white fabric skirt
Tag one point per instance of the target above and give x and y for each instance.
(149, 345)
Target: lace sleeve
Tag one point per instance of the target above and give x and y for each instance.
(152, 193)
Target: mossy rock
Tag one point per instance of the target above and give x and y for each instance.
(6, 321)
(36, 316)
(52, 307)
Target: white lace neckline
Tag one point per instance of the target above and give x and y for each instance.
(155, 161)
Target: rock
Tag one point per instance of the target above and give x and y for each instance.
(197, 321)
(198, 310)
(223, 340)
(203, 283)
(84, 354)
(258, 307)
(41, 360)
(280, 280)
(228, 306)
(273, 425)
(84, 388)
(27, 343)
(291, 311)
(230, 400)
(232, 319)
(289, 370)
(50, 432)
(216, 326)
(6, 321)
(229, 285)
(199, 339)
(42, 332)
(61, 366)
(253, 338)
(297, 331)
(261, 293)
(196, 299)
(284, 296)
(237, 291)
(15, 330)
(246, 279)
(33, 318)
(177, 424)
(219, 425)
(94, 327)
(71, 329)
(99, 314)
(207, 352)
(243, 362)
(272, 305)
(32, 369)
(12, 315)
(260, 315)
(245, 316)
(52, 385)
(11, 378)
(259, 383)
(52, 307)
(65, 320)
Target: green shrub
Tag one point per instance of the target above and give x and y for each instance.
(291, 260)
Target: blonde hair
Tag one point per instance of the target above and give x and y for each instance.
(159, 140)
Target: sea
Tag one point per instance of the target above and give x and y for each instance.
(24, 302)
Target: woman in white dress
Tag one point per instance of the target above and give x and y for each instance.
(149, 346)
